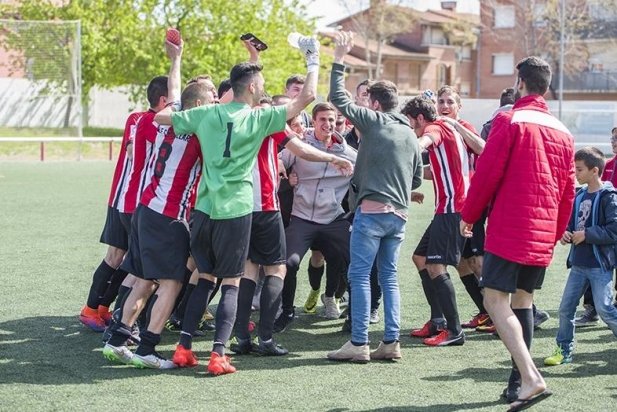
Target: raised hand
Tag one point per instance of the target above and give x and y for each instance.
(344, 44)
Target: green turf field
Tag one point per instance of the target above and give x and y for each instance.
(51, 215)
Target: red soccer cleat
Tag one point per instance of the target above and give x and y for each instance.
(444, 338)
(90, 318)
(184, 358)
(220, 365)
(104, 314)
(478, 320)
(429, 329)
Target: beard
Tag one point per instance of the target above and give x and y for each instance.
(517, 95)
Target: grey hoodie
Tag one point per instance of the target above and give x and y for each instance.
(321, 187)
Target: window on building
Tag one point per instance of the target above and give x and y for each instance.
(503, 64)
(433, 35)
(505, 16)
(465, 53)
(539, 15)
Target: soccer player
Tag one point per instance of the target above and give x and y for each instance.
(526, 172)
(441, 245)
(160, 236)
(230, 136)
(293, 87)
(388, 167)
(94, 314)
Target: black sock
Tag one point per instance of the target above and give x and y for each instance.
(119, 334)
(113, 287)
(444, 291)
(431, 297)
(123, 292)
(525, 317)
(474, 290)
(245, 301)
(269, 305)
(315, 274)
(151, 303)
(185, 285)
(148, 342)
(289, 291)
(101, 276)
(342, 286)
(181, 308)
(333, 277)
(225, 317)
(195, 309)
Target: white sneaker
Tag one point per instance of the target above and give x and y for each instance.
(120, 354)
(152, 361)
(331, 308)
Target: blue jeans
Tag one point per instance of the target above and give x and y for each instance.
(375, 236)
(601, 283)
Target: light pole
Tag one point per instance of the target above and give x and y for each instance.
(562, 19)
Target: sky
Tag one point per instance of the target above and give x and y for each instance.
(335, 10)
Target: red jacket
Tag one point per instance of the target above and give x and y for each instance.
(526, 172)
(610, 174)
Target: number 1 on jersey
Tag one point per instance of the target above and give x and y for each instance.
(227, 153)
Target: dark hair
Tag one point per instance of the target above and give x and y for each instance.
(366, 82)
(242, 74)
(223, 87)
(193, 92)
(507, 97)
(386, 93)
(323, 107)
(591, 157)
(157, 88)
(420, 105)
(265, 99)
(295, 79)
(449, 90)
(199, 77)
(280, 99)
(613, 129)
(536, 73)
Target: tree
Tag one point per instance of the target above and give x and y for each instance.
(380, 23)
(122, 41)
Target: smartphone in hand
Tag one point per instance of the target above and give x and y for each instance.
(258, 44)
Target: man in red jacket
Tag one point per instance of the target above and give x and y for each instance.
(526, 172)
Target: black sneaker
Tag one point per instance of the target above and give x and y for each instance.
(269, 348)
(282, 322)
(174, 323)
(204, 327)
(240, 346)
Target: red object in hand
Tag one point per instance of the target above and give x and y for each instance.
(173, 36)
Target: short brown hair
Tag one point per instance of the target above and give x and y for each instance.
(449, 90)
(384, 92)
(295, 79)
(591, 157)
(323, 107)
(420, 105)
(536, 73)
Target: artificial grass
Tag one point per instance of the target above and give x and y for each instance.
(51, 215)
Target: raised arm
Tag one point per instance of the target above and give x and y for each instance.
(310, 48)
(308, 152)
(174, 82)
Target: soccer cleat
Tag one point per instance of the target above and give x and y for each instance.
(387, 351)
(559, 357)
(478, 320)
(331, 308)
(120, 354)
(104, 314)
(184, 358)
(539, 317)
(351, 352)
(91, 319)
(270, 348)
(444, 338)
(174, 323)
(588, 318)
(283, 321)
(152, 361)
(203, 327)
(488, 327)
(134, 339)
(344, 300)
(374, 318)
(208, 315)
(240, 346)
(220, 365)
(310, 306)
(429, 329)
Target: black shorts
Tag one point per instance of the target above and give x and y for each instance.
(159, 246)
(507, 276)
(474, 246)
(114, 232)
(442, 242)
(267, 244)
(220, 247)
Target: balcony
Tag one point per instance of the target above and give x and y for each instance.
(605, 81)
